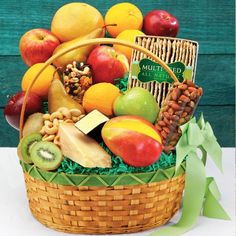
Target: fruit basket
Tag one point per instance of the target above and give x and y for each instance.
(104, 151)
(102, 203)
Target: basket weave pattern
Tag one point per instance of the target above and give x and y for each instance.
(104, 210)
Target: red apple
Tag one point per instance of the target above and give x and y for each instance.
(37, 45)
(13, 108)
(160, 23)
(107, 64)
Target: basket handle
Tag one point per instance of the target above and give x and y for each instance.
(87, 43)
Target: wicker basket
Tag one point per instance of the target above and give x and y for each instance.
(115, 204)
(105, 209)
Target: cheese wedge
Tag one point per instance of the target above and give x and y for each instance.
(80, 148)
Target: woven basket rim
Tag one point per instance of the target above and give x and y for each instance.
(102, 179)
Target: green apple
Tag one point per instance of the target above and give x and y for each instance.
(137, 102)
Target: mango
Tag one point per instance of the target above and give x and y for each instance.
(134, 139)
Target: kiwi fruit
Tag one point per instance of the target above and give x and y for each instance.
(27, 143)
(46, 155)
(33, 124)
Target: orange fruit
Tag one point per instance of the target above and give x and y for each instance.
(127, 35)
(74, 20)
(126, 16)
(101, 97)
(42, 84)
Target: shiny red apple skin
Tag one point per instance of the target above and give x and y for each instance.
(160, 23)
(14, 105)
(37, 45)
(107, 64)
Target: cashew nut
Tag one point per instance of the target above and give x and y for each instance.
(57, 115)
(85, 71)
(42, 131)
(51, 130)
(68, 121)
(75, 118)
(65, 112)
(48, 138)
(67, 115)
(48, 123)
(46, 116)
(55, 122)
(57, 140)
(75, 112)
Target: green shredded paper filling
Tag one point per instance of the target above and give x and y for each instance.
(122, 83)
(118, 166)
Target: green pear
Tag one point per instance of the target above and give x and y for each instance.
(79, 54)
(57, 97)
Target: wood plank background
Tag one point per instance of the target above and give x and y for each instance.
(211, 23)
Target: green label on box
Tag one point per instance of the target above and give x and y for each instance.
(147, 70)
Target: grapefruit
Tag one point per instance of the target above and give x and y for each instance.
(74, 20)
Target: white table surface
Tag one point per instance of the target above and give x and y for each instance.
(16, 219)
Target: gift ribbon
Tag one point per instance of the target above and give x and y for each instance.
(201, 195)
(211, 206)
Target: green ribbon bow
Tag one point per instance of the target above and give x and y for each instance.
(201, 196)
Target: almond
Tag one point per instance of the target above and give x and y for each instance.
(158, 127)
(167, 130)
(182, 121)
(193, 95)
(199, 92)
(161, 123)
(174, 117)
(191, 89)
(190, 83)
(183, 86)
(175, 106)
(178, 113)
(187, 93)
(166, 114)
(175, 94)
(188, 109)
(191, 104)
(170, 111)
(167, 121)
(184, 98)
(163, 134)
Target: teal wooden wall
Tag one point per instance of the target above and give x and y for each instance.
(210, 22)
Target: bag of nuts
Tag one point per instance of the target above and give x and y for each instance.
(77, 79)
(177, 109)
